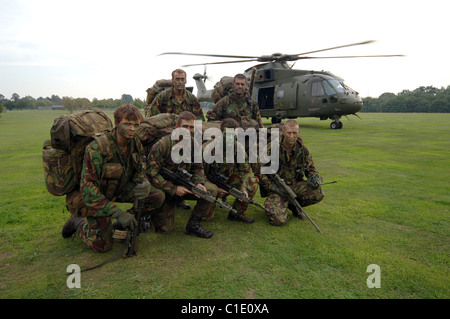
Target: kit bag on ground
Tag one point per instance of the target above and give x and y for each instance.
(63, 154)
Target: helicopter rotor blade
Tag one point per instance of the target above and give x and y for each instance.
(349, 56)
(213, 55)
(338, 47)
(236, 61)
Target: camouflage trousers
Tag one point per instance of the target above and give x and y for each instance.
(163, 218)
(97, 232)
(236, 181)
(278, 205)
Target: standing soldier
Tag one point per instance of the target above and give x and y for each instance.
(161, 156)
(238, 105)
(295, 163)
(112, 176)
(177, 99)
(238, 175)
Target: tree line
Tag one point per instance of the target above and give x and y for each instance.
(425, 99)
(71, 104)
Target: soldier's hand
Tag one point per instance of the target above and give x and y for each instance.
(246, 195)
(202, 187)
(221, 192)
(181, 191)
(314, 181)
(142, 190)
(125, 219)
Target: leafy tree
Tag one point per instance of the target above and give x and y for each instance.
(423, 99)
(126, 99)
(15, 97)
(140, 104)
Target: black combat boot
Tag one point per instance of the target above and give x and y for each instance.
(240, 217)
(72, 225)
(194, 227)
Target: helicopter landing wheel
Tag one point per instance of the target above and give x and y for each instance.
(276, 120)
(336, 125)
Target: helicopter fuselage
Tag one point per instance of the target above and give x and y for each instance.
(282, 92)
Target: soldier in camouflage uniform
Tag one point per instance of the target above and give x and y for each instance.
(177, 99)
(238, 105)
(161, 156)
(238, 175)
(295, 163)
(114, 176)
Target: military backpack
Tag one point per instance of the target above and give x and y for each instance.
(222, 88)
(152, 92)
(154, 128)
(63, 154)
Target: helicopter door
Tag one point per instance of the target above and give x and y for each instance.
(265, 98)
(286, 96)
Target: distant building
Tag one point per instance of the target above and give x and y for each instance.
(58, 107)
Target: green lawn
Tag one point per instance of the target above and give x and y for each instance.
(390, 207)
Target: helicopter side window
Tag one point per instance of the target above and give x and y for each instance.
(317, 89)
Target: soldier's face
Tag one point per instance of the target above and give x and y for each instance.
(239, 85)
(179, 81)
(127, 128)
(188, 124)
(290, 134)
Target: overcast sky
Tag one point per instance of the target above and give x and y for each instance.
(104, 49)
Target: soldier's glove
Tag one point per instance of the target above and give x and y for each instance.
(142, 190)
(314, 181)
(125, 219)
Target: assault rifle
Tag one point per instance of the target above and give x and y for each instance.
(133, 235)
(221, 181)
(281, 188)
(181, 177)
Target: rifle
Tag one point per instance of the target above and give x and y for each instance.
(133, 235)
(282, 189)
(181, 177)
(221, 181)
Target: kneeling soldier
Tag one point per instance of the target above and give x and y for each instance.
(115, 176)
(238, 174)
(161, 157)
(295, 163)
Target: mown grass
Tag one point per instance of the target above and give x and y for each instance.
(390, 207)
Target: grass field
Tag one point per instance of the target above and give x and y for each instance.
(390, 207)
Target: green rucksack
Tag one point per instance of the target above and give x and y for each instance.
(222, 88)
(154, 128)
(63, 154)
(152, 92)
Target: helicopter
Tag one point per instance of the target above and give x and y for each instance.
(283, 92)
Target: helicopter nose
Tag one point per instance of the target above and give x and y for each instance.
(352, 101)
(356, 103)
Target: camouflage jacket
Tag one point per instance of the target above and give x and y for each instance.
(166, 102)
(294, 165)
(231, 106)
(160, 156)
(233, 168)
(103, 178)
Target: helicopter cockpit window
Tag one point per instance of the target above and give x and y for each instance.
(338, 86)
(328, 89)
